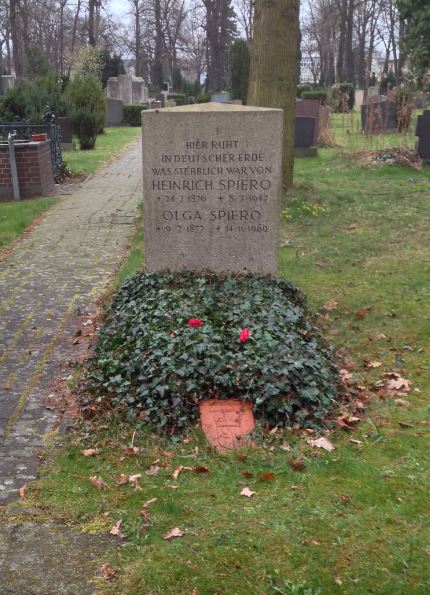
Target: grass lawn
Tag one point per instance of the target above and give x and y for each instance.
(16, 216)
(356, 520)
(109, 145)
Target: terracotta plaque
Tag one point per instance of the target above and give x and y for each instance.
(226, 423)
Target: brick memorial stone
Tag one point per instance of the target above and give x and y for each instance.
(309, 108)
(423, 133)
(212, 188)
(227, 423)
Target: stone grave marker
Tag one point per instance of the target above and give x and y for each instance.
(309, 108)
(114, 112)
(212, 177)
(65, 124)
(304, 137)
(379, 116)
(423, 133)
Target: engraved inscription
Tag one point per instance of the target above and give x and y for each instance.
(188, 185)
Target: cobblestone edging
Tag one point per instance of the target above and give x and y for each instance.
(52, 275)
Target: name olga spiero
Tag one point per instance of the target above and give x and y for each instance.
(215, 215)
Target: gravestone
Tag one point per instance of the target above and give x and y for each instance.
(112, 88)
(7, 81)
(359, 98)
(125, 88)
(223, 97)
(304, 137)
(309, 108)
(161, 97)
(65, 124)
(379, 116)
(114, 112)
(423, 133)
(212, 178)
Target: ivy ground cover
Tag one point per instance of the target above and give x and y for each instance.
(353, 520)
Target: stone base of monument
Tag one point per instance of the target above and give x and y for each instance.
(305, 151)
(226, 424)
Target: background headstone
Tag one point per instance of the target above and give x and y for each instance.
(359, 98)
(125, 88)
(65, 124)
(112, 88)
(309, 108)
(114, 112)
(379, 116)
(212, 188)
(423, 133)
(304, 136)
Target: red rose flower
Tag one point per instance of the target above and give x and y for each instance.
(195, 322)
(244, 335)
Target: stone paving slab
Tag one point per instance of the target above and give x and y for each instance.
(48, 559)
(53, 275)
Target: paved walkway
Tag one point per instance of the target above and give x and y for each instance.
(52, 275)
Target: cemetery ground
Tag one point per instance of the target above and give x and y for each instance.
(15, 217)
(353, 520)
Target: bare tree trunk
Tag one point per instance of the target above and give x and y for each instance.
(349, 56)
(272, 81)
(15, 37)
(157, 68)
(91, 19)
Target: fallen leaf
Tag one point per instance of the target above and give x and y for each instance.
(149, 502)
(380, 336)
(373, 364)
(179, 470)
(330, 305)
(295, 487)
(247, 492)
(399, 384)
(401, 403)
(322, 443)
(361, 313)
(131, 451)
(90, 452)
(241, 457)
(175, 532)
(167, 453)
(247, 474)
(266, 477)
(338, 581)
(298, 464)
(285, 447)
(352, 226)
(345, 499)
(187, 440)
(153, 470)
(355, 441)
(116, 530)
(134, 480)
(346, 421)
(22, 490)
(122, 480)
(99, 483)
(171, 487)
(201, 470)
(345, 375)
(107, 571)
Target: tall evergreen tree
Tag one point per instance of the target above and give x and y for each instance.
(238, 69)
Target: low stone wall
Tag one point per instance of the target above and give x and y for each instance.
(34, 165)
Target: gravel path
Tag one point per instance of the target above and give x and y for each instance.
(50, 278)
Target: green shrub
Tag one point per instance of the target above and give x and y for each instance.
(29, 98)
(152, 362)
(303, 89)
(238, 69)
(86, 97)
(178, 97)
(133, 114)
(320, 94)
(86, 125)
(203, 98)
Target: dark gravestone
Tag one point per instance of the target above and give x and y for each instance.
(304, 137)
(310, 108)
(423, 133)
(66, 133)
(161, 98)
(114, 112)
(379, 116)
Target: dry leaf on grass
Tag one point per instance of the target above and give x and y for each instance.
(201, 470)
(22, 490)
(298, 464)
(116, 530)
(266, 477)
(373, 364)
(322, 443)
(107, 571)
(149, 502)
(171, 487)
(131, 451)
(179, 470)
(98, 482)
(175, 532)
(247, 492)
(401, 403)
(134, 480)
(122, 480)
(153, 470)
(90, 452)
(330, 305)
(247, 474)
